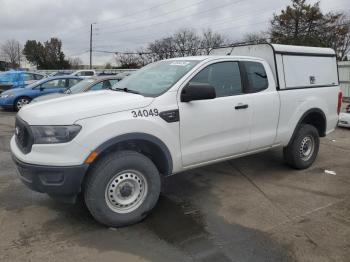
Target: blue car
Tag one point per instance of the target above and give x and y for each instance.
(15, 79)
(18, 97)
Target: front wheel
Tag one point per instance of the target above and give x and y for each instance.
(122, 188)
(303, 149)
(20, 102)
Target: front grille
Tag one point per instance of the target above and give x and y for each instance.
(23, 135)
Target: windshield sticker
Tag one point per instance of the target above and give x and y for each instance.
(180, 63)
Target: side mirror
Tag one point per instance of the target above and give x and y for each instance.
(197, 91)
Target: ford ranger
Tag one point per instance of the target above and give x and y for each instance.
(114, 146)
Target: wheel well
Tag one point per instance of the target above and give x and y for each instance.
(15, 101)
(22, 97)
(151, 150)
(317, 119)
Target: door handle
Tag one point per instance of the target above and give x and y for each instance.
(241, 106)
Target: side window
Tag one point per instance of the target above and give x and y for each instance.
(73, 82)
(38, 77)
(28, 77)
(98, 86)
(114, 81)
(87, 73)
(224, 77)
(256, 77)
(57, 83)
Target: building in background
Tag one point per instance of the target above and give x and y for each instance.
(344, 79)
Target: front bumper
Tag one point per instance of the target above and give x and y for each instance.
(60, 182)
(6, 102)
(343, 123)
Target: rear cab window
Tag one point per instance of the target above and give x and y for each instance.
(256, 78)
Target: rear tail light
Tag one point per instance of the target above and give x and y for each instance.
(340, 98)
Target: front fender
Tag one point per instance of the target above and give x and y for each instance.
(99, 132)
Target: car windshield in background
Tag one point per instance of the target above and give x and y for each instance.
(155, 79)
(82, 85)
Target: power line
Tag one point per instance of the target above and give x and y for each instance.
(80, 53)
(208, 24)
(163, 14)
(225, 28)
(135, 13)
(173, 11)
(175, 19)
(173, 51)
(73, 30)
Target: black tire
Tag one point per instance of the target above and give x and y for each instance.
(103, 174)
(294, 153)
(16, 105)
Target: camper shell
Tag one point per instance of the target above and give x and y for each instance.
(292, 66)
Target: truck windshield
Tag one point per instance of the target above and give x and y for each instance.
(156, 78)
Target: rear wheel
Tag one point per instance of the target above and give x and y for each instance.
(303, 149)
(20, 102)
(122, 188)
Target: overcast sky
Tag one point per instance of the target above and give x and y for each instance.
(126, 25)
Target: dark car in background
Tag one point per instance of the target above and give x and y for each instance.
(17, 79)
(18, 97)
(90, 84)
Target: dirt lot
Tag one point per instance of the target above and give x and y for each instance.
(249, 209)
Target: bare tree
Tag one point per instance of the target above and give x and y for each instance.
(75, 62)
(12, 51)
(256, 37)
(128, 60)
(187, 42)
(162, 49)
(211, 40)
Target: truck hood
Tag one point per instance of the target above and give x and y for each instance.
(69, 109)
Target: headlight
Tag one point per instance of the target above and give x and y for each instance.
(6, 95)
(54, 134)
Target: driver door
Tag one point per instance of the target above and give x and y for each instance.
(216, 128)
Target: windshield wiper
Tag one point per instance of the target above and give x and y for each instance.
(125, 89)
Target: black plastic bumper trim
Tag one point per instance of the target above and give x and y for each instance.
(60, 181)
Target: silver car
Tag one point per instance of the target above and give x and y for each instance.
(91, 84)
(344, 118)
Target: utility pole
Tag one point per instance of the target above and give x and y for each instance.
(91, 47)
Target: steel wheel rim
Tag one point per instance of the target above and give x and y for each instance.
(22, 102)
(307, 148)
(126, 191)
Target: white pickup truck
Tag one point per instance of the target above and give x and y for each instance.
(114, 146)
